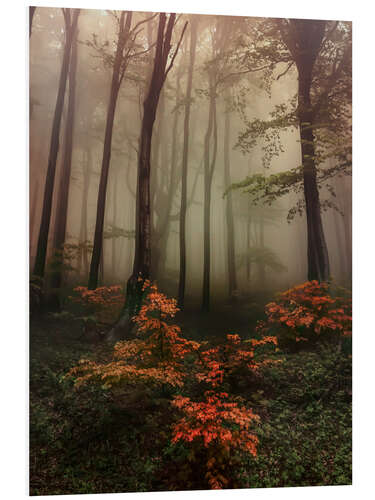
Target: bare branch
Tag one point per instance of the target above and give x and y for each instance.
(286, 71)
(143, 21)
(176, 51)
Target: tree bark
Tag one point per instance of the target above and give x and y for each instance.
(63, 193)
(83, 257)
(185, 157)
(124, 29)
(304, 38)
(231, 265)
(209, 166)
(142, 257)
(248, 245)
(261, 265)
(168, 191)
(114, 226)
(40, 260)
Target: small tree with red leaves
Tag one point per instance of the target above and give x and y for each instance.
(224, 365)
(218, 427)
(157, 358)
(307, 313)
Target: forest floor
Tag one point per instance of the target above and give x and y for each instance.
(92, 442)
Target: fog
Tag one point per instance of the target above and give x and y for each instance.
(270, 250)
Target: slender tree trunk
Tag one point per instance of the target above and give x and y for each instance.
(345, 200)
(85, 193)
(261, 266)
(318, 263)
(83, 257)
(142, 256)
(40, 260)
(248, 247)
(114, 226)
(348, 247)
(209, 167)
(100, 211)
(185, 157)
(163, 229)
(340, 248)
(63, 193)
(307, 36)
(231, 265)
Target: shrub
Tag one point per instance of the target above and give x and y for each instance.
(307, 313)
(157, 359)
(233, 360)
(219, 427)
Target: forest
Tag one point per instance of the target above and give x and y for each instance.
(190, 251)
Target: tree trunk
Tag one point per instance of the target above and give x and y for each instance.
(231, 265)
(40, 260)
(304, 42)
(163, 229)
(114, 226)
(261, 265)
(209, 167)
(142, 257)
(63, 193)
(339, 245)
(83, 231)
(100, 210)
(185, 157)
(318, 263)
(248, 246)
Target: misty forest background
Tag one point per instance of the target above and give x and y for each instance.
(210, 155)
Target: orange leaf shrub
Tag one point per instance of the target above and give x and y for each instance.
(221, 362)
(219, 426)
(156, 359)
(307, 312)
(214, 427)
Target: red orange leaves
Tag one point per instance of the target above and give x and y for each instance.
(306, 310)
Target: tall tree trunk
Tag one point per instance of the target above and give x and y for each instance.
(142, 257)
(318, 263)
(40, 260)
(348, 245)
(114, 226)
(340, 248)
(124, 29)
(231, 265)
(209, 166)
(162, 231)
(344, 197)
(248, 246)
(63, 193)
(185, 157)
(83, 231)
(304, 38)
(261, 265)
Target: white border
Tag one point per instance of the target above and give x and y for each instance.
(14, 247)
